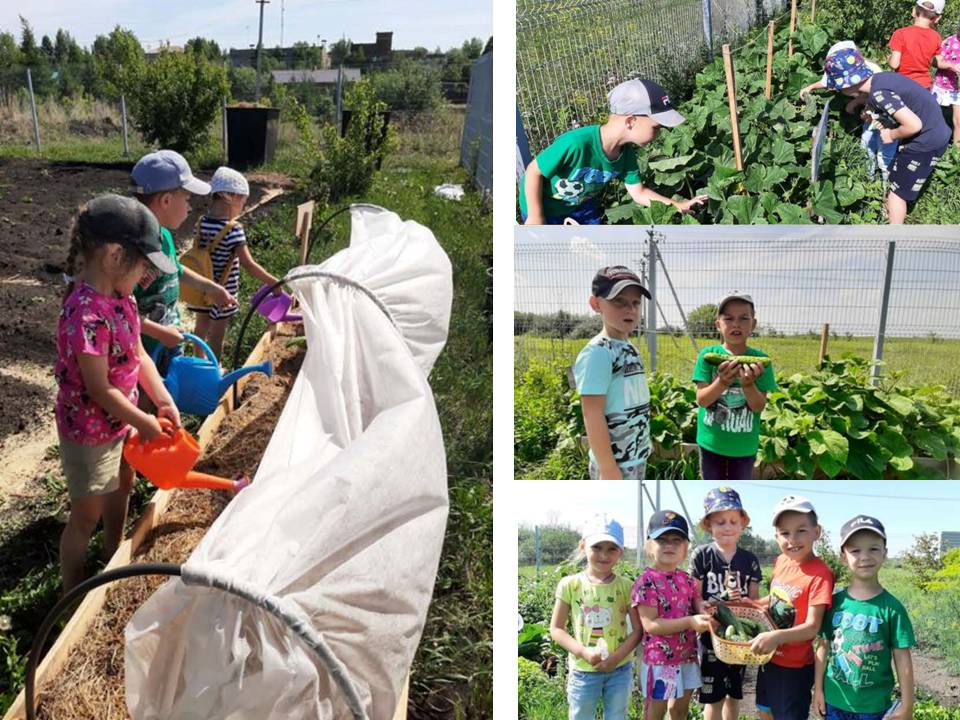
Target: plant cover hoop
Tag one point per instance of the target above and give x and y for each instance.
(819, 140)
(345, 519)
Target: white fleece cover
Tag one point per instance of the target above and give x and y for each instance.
(345, 518)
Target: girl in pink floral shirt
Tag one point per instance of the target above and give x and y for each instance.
(100, 362)
(946, 85)
(668, 603)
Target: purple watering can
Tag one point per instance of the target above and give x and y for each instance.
(196, 384)
(274, 307)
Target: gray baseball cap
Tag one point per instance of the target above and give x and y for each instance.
(166, 170)
(644, 97)
(127, 221)
(735, 295)
(792, 503)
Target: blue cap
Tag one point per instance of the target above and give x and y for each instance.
(845, 68)
(601, 531)
(667, 521)
(720, 499)
(166, 170)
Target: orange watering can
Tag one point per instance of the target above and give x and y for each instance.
(167, 461)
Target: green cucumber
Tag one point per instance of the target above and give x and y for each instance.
(717, 358)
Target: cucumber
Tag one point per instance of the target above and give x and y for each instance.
(752, 627)
(726, 618)
(717, 358)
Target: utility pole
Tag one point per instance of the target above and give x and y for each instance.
(261, 3)
(281, 23)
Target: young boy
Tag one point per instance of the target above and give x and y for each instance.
(612, 382)
(913, 48)
(800, 593)
(164, 184)
(906, 110)
(730, 395)
(723, 572)
(562, 182)
(866, 627)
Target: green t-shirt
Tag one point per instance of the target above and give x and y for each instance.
(597, 611)
(157, 293)
(862, 635)
(574, 168)
(729, 427)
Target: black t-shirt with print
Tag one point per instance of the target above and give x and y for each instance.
(708, 565)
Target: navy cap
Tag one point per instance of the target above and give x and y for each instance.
(613, 280)
(124, 220)
(667, 521)
(861, 522)
(166, 170)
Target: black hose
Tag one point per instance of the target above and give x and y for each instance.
(316, 233)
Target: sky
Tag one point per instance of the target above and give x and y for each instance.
(905, 508)
(799, 276)
(234, 23)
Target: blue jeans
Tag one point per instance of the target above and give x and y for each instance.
(880, 154)
(838, 714)
(586, 689)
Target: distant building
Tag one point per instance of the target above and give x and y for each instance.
(949, 540)
(317, 77)
(368, 55)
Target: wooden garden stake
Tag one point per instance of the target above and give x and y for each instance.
(769, 89)
(793, 26)
(813, 11)
(824, 336)
(732, 99)
(304, 221)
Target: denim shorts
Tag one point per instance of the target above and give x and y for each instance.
(666, 682)
(586, 689)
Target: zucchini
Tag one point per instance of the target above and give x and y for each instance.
(717, 358)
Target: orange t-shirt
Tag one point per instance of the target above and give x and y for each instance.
(917, 47)
(795, 587)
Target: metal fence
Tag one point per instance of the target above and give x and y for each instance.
(570, 53)
(885, 293)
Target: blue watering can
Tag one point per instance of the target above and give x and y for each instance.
(196, 384)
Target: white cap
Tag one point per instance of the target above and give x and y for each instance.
(600, 531)
(934, 5)
(792, 503)
(228, 180)
(735, 295)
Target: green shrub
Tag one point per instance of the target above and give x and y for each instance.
(541, 403)
(409, 85)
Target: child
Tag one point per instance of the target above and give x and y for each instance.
(611, 380)
(723, 572)
(800, 592)
(946, 89)
(100, 361)
(865, 627)
(731, 396)
(908, 113)
(164, 184)
(913, 48)
(564, 179)
(230, 191)
(669, 607)
(605, 628)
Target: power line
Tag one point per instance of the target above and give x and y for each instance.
(852, 494)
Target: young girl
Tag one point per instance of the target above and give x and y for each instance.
(100, 361)
(669, 606)
(605, 628)
(230, 191)
(946, 87)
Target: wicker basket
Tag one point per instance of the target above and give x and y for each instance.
(739, 653)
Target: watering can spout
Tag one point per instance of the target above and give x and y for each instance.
(227, 380)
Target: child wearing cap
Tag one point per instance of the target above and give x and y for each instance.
(606, 629)
(908, 113)
(612, 382)
(946, 81)
(801, 587)
(731, 395)
(723, 571)
(100, 362)
(913, 48)
(230, 192)
(562, 182)
(670, 610)
(863, 631)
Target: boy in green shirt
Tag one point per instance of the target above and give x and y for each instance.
(865, 628)
(731, 396)
(562, 182)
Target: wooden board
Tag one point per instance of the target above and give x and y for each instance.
(304, 221)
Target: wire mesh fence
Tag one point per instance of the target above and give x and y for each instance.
(801, 282)
(571, 53)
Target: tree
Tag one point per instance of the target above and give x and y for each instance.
(765, 550)
(340, 51)
(118, 61)
(207, 49)
(472, 48)
(29, 52)
(409, 85)
(702, 320)
(922, 560)
(557, 544)
(307, 56)
(833, 560)
(46, 47)
(10, 55)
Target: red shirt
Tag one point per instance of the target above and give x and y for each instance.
(794, 588)
(917, 47)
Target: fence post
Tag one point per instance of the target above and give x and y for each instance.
(523, 148)
(708, 28)
(652, 303)
(732, 101)
(824, 336)
(676, 299)
(769, 89)
(884, 304)
(33, 107)
(640, 522)
(793, 26)
(123, 124)
(339, 99)
(223, 129)
(536, 547)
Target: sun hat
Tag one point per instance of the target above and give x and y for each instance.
(228, 180)
(165, 170)
(845, 68)
(124, 220)
(644, 97)
(720, 499)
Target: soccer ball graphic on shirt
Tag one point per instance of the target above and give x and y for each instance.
(567, 190)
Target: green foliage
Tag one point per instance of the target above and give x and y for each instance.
(923, 560)
(118, 61)
(702, 320)
(409, 85)
(833, 559)
(541, 402)
(557, 542)
(176, 98)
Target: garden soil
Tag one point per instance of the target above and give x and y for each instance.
(91, 685)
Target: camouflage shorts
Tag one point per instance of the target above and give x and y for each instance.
(632, 472)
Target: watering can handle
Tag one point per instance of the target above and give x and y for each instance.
(203, 346)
